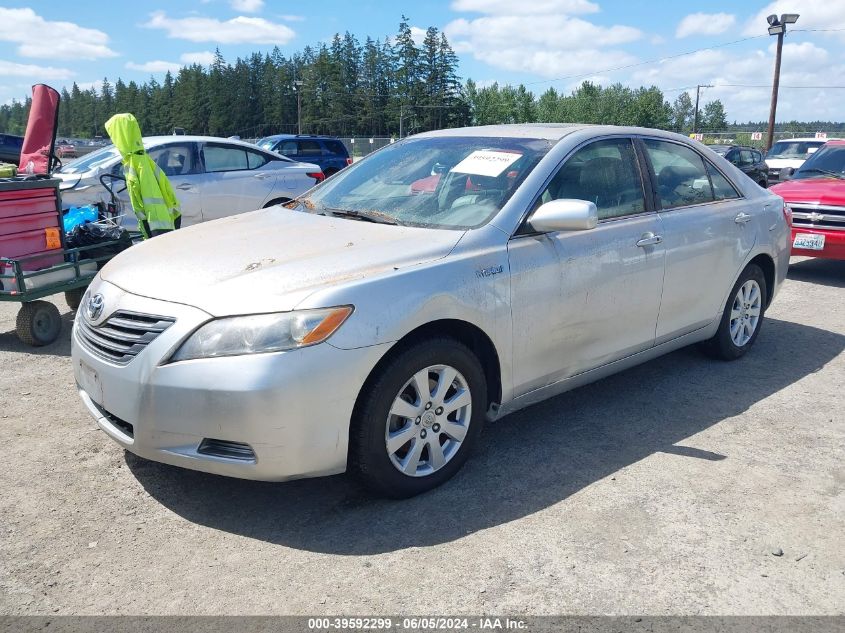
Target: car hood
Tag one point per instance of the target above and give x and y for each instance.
(268, 260)
(825, 191)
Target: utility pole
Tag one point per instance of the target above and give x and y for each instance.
(697, 95)
(297, 84)
(777, 26)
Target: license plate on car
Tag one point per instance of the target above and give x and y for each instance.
(808, 241)
(90, 382)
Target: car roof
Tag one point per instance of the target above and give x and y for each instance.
(550, 131)
(805, 140)
(278, 137)
(189, 138)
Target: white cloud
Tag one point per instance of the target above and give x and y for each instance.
(705, 24)
(549, 45)
(749, 74)
(45, 39)
(154, 67)
(534, 7)
(815, 14)
(247, 6)
(12, 69)
(203, 58)
(418, 35)
(239, 30)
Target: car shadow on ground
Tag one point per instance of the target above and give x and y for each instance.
(526, 462)
(9, 341)
(825, 272)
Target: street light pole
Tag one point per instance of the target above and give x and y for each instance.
(777, 26)
(297, 84)
(697, 94)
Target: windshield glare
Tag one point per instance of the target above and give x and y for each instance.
(266, 143)
(445, 182)
(792, 149)
(90, 161)
(828, 162)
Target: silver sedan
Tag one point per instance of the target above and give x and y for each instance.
(376, 323)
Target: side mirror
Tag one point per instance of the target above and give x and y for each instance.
(565, 214)
(787, 172)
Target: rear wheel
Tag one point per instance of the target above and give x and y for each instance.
(742, 317)
(38, 323)
(273, 203)
(415, 425)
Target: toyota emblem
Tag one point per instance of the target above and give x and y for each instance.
(95, 306)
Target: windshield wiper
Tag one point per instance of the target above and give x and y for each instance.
(826, 172)
(367, 216)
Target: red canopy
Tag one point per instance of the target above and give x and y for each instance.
(40, 131)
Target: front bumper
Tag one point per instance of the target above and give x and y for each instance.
(834, 243)
(292, 408)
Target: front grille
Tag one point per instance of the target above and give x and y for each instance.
(818, 216)
(122, 425)
(122, 336)
(226, 449)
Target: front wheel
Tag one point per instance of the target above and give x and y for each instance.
(742, 317)
(416, 423)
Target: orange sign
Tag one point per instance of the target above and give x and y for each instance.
(53, 238)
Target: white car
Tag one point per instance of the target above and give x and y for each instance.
(790, 152)
(212, 177)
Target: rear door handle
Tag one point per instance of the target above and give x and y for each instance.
(185, 187)
(262, 176)
(742, 218)
(649, 239)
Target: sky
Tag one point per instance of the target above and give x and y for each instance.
(540, 43)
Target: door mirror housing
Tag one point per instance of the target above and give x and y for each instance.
(787, 172)
(566, 214)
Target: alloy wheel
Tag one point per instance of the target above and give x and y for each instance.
(745, 312)
(428, 420)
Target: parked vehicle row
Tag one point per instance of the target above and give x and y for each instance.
(212, 177)
(374, 324)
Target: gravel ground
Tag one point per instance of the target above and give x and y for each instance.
(671, 488)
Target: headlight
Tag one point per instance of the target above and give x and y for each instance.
(261, 333)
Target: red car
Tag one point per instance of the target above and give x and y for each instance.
(816, 195)
(65, 150)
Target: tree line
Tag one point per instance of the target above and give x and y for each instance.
(347, 88)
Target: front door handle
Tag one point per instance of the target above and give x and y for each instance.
(649, 239)
(742, 218)
(185, 187)
(261, 176)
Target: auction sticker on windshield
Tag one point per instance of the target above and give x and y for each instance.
(809, 241)
(484, 162)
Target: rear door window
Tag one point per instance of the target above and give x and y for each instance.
(682, 178)
(310, 148)
(221, 158)
(722, 188)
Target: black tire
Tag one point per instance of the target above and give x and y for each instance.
(39, 323)
(369, 460)
(273, 203)
(74, 297)
(722, 345)
(330, 172)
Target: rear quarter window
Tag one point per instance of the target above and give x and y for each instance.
(336, 147)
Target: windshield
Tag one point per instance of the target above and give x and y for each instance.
(90, 161)
(446, 182)
(266, 143)
(798, 150)
(828, 162)
(721, 150)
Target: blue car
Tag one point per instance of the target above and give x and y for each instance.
(326, 151)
